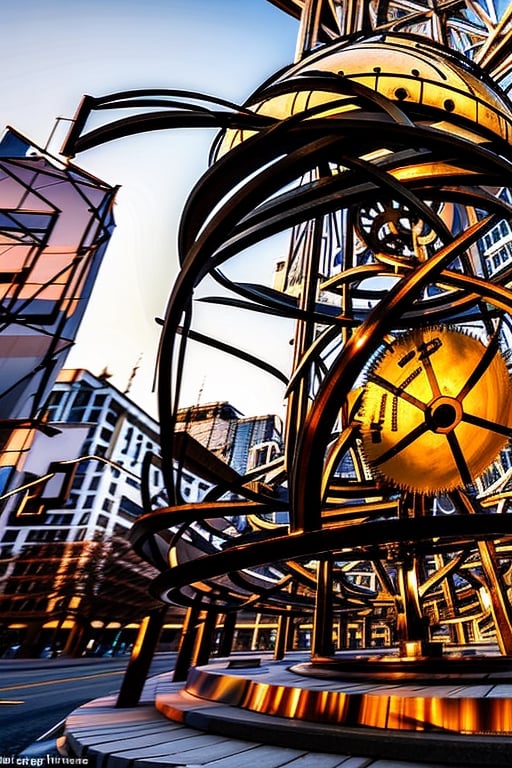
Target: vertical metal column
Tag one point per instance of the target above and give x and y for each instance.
(141, 658)
(207, 638)
(368, 630)
(412, 626)
(283, 634)
(228, 634)
(343, 632)
(299, 396)
(188, 642)
(321, 644)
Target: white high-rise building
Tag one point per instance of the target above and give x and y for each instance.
(98, 441)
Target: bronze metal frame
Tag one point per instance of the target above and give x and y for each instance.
(359, 138)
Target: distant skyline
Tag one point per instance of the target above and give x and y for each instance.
(53, 53)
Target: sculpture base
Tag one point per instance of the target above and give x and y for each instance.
(427, 670)
(472, 697)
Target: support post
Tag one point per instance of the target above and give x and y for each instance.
(322, 626)
(283, 634)
(207, 638)
(228, 634)
(412, 626)
(141, 658)
(188, 642)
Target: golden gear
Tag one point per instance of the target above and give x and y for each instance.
(394, 233)
(437, 410)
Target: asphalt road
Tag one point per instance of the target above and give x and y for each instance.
(35, 695)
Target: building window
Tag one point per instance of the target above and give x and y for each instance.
(129, 507)
(80, 403)
(102, 521)
(113, 415)
(127, 440)
(138, 447)
(54, 408)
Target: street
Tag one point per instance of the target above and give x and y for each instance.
(36, 694)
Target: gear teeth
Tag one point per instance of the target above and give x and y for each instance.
(420, 402)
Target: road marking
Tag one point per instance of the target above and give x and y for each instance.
(6, 701)
(61, 680)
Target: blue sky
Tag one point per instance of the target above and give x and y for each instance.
(54, 52)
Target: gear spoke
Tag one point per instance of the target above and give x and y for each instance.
(491, 426)
(490, 352)
(401, 444)
(459, 459)
(431, 376)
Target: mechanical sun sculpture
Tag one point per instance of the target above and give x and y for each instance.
(385, 151)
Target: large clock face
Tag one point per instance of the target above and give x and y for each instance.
(437, 409)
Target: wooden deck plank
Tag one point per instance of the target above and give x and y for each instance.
(260, 756)
(359, 762)
(401, 764)
(318, 760)
(215, 752)
(469, 691)
(500, 691)
(122, 738)
(163, 743)
(188, 740)
(111, 715)
(143, 729)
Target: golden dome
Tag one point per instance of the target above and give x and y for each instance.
(414, 73)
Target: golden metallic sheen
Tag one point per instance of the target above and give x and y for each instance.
(406, 72)
(420, 406)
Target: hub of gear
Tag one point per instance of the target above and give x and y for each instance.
(436, 410)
